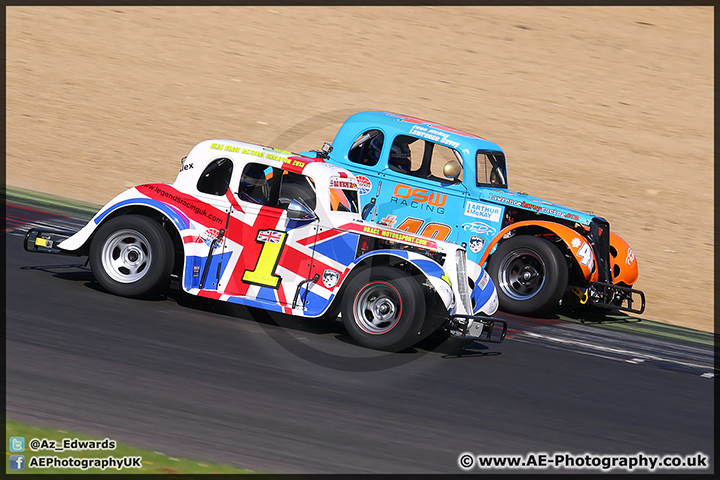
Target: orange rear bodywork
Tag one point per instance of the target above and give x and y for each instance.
(623, 264)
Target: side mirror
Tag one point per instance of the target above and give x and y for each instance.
(452, 169)
(367, 209)
(299, 210)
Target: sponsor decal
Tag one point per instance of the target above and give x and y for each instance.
(364, 184)
(346, 183)
(476, 244)
(209, 235)
(186, 203)
(484, 280)
(435, 126)
(330, 278)
(630, 257)
(390, 235)
(536, 208)
(433, 135)
(420, 195)
(479, 227)
(486, 212)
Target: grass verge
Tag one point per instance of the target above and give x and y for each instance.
(51, 203)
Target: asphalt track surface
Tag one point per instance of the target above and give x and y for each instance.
(222, 383)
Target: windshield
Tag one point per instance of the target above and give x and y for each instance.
(491, 169)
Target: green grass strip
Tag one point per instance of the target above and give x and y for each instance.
(152, 462)
(642, 326)
(51, 203)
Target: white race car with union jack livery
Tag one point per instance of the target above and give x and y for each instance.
(274, 230)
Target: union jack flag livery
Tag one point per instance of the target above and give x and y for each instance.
(274, 230)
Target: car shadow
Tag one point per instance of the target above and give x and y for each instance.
(72, 271)
(318, 326)
(585, 314)
(439, 343)
(78, 272)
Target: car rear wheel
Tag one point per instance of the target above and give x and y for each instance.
(131, 255)
(530, 274)
(383, 308)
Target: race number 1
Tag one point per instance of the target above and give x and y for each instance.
(264, 272)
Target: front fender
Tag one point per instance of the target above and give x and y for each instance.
(130, 197)
(577, 244)
(430, 269)
(484, 295)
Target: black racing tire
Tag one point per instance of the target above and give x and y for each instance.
(530, 275)
(131, 256)
(384, 308)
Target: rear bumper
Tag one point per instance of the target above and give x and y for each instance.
(477, 327)
(46, 241)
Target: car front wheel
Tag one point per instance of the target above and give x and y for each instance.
(530, 274)
(383, 308)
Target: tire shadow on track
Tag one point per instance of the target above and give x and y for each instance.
(280, 327)
(304, 338)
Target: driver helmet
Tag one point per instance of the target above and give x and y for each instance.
(374, 148)
(399, 153)
(400, 156)
(253, 184)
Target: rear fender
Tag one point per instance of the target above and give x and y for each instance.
(127, 199)
(581, 250)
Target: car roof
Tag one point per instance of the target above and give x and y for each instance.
(397, 124)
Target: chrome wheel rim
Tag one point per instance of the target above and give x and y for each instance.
(377, 308)
(126, 256)
(522, 274)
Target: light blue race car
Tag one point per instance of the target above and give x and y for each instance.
(436, 181)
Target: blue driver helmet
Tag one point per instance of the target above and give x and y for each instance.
(400, 156)
(399, 153)
(253, 185)
(374, 148)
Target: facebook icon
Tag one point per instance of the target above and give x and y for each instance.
(17, 462)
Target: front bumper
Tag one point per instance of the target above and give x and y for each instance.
(615, 296)
(477, 327)
(46, 241)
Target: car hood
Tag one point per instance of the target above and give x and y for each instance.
(535, 204)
